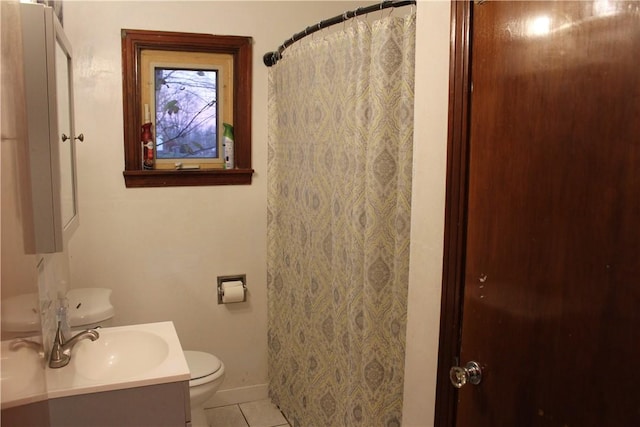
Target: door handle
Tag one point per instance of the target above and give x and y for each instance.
(470, 373)
(79, 137)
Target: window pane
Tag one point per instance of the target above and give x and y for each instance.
(186, 113)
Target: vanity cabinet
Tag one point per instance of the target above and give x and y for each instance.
(160, 405)
(51, 133)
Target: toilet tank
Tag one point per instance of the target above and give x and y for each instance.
(20, 316)
(88, 308)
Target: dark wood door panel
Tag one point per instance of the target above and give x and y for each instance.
(552, 271)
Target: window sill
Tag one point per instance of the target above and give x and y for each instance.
(182, 178)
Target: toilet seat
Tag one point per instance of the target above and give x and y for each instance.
(202, 367)
(89, 306)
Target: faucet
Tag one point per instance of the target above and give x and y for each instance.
(61, 350)
(19, 343)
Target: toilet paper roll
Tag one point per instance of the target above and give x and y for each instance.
(232, 294)
(231, 284)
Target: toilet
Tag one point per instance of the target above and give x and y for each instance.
(207, 374)
(20, 316)
(87, 308)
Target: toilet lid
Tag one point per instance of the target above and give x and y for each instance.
(201, 364)
(20, 314)
(89, 305)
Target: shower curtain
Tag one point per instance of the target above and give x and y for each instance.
(339, 194)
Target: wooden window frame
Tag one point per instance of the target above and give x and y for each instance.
(133, 43)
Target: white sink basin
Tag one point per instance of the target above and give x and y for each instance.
(119, 354)
(20, 368)
(122, 357)
(22, 378)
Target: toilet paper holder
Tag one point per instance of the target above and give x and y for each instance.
(234, 278)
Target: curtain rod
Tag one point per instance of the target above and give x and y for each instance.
(271, 58)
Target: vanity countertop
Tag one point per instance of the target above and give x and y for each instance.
(22, 375)
(123, 357)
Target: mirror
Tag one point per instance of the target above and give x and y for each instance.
(66, 134)
(49, 103)
(66, 146)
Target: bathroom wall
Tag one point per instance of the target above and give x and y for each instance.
(427, 217)
(160, 249)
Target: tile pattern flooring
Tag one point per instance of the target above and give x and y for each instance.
(261, 413)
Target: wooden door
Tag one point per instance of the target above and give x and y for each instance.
(551, 242)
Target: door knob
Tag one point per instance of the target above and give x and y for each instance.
(79, 137)
(471, 373)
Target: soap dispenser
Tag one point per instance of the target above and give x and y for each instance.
(62, 317)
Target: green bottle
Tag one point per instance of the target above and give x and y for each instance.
(227, 146)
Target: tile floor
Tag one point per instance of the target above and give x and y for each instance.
(261, 413)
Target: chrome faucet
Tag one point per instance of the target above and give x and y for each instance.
(61, 350)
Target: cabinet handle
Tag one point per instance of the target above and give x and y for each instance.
(79, 137)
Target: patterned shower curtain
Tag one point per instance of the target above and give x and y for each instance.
(339, 178)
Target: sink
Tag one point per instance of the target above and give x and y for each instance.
(127, 365)
(123, 357)
(119, 354)
(22, 379)
(20, 368)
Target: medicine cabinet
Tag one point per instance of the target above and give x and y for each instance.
(51, 133)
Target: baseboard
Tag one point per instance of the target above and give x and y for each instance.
(238, 395)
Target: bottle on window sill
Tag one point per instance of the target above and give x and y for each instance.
(147, 147)
(227, 145)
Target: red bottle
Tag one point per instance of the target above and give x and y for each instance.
(147, 147)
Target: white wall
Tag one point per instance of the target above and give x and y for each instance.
(427, 217)
(160, 249)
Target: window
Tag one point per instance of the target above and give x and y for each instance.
(181, 91)
(188, 99)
